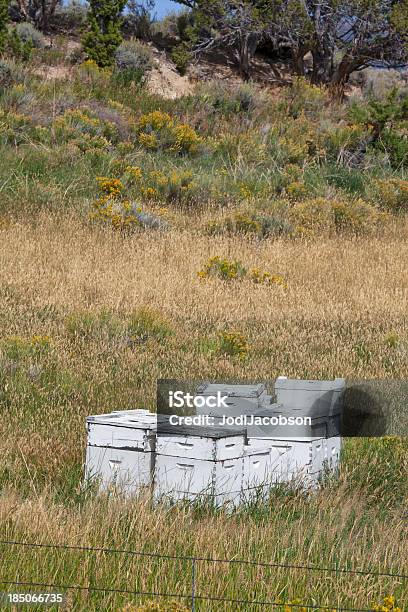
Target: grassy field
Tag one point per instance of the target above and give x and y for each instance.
(95, 308)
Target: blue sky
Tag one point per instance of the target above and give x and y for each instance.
(162, 7)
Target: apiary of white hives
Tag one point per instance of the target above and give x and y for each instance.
(128, 450)
(120, 450)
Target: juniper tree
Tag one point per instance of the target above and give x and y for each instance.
(4, 6)
(104, 31)
(37, 12)
(236, 26)
(341, 35)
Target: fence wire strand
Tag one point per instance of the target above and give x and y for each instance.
(193, 596)
(310, 568)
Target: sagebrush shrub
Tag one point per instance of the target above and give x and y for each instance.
(220, 98)
(27, 33)
(133, 60)
(71, 17)
(250, 223)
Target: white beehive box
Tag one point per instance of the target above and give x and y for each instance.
(120, 450)
(128, 471)
(199, 462)
(294, 458)
(179, 478)
(241, 399)
(261, 465)
(313, 398)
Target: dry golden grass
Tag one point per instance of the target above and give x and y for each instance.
(340, 291)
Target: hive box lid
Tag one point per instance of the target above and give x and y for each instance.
(197, 431)
(338, 384)
(251, 391)
(136, 419)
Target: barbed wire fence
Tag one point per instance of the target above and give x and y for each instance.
(192, 597)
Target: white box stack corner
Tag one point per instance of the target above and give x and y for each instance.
(199, 463)
(120, 450)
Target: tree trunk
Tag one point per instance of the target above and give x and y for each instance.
(298, 63)
(322, 66)
(248, 45)
(341, 75)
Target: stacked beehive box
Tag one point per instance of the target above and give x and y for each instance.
(227, 464)
(200, 462)
(121, 449)
(306, 451)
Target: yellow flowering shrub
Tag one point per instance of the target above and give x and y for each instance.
(110, 186)
(186, 138)
(316, 215)
(232, 344)
(296, 190)
(16, 128)
(112, 206)
(177, 186)
(392, 194)
(293, 173)
(388, 605)
(229, 270)
(224, 269)
(81, 126)
(93, 75)
(343, 137)
(115, 206)
(149, 141)
(158, 130)
(298, 142)
(261, 277)
(252, 223)
(155, 120)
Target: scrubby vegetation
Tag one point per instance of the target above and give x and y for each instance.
(235, 232)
